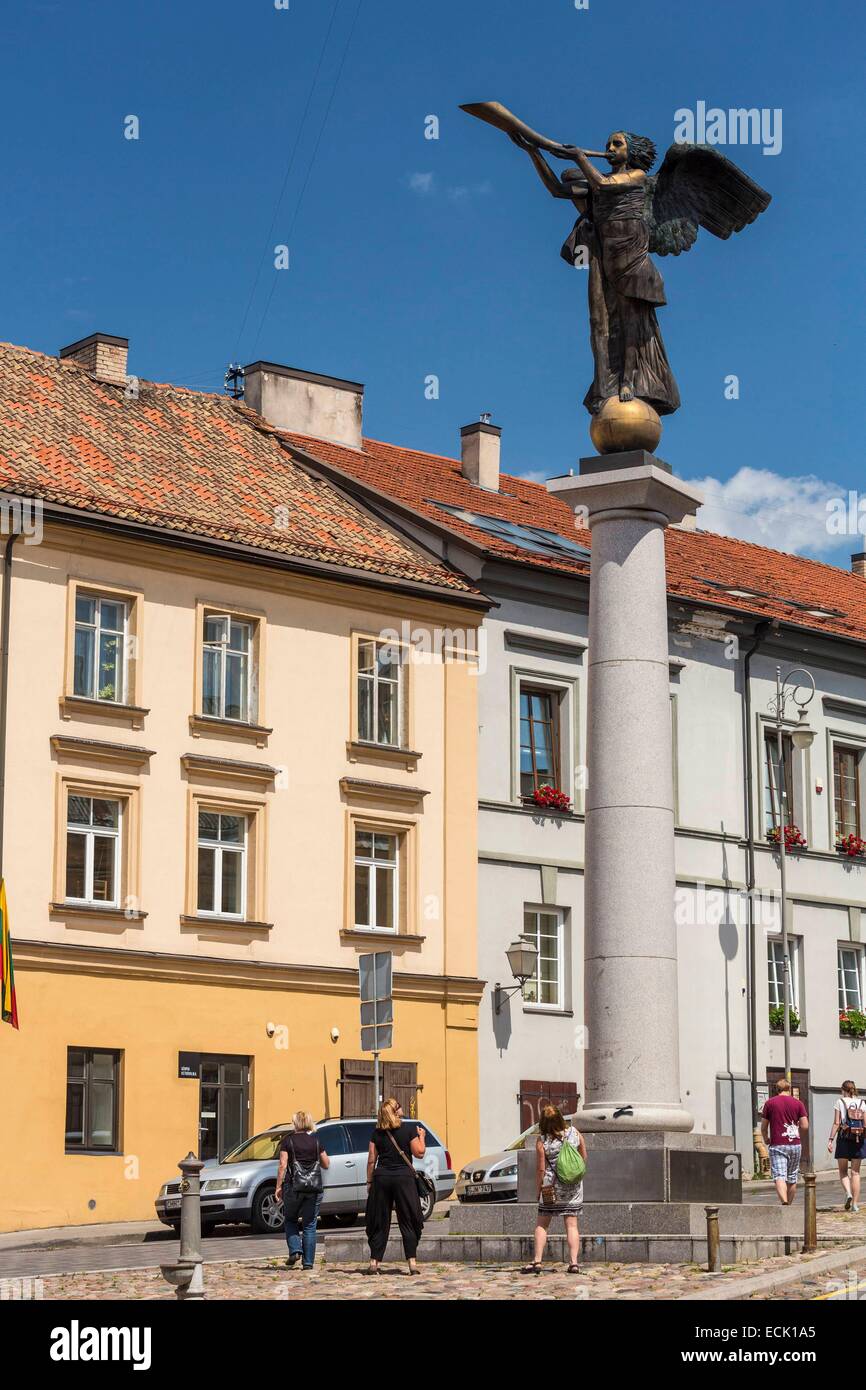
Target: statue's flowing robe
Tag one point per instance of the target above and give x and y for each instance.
(624, 289)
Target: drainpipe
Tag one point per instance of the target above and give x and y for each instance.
(759, 636)
(4, 677)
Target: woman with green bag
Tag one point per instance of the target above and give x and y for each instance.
(561, 1155)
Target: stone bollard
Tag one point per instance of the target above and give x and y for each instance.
(714, 1257)
(186, 1271)
(810, 1214)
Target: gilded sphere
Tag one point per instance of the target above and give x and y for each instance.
(621, 425)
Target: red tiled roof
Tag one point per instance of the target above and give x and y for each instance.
(184, 461)
(775, 581)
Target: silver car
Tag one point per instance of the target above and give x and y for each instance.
(493, 1178)
(240, 1187)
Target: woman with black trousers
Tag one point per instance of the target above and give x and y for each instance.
(391, 1184)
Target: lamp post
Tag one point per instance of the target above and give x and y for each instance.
(522, 957)
(802, 736)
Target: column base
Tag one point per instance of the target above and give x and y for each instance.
(634, 1116)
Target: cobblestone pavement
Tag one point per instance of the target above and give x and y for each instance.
(246, 1273)
(269, 1279)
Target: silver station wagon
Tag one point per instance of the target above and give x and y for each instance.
(240, 1187)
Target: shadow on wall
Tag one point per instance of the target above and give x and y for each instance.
(502, 1026)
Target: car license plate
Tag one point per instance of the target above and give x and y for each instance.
(479, 1189)
(172, 1203)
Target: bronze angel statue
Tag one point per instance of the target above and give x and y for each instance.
(623, 217)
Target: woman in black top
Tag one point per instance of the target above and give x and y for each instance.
(303, 1158)
(391, 1184)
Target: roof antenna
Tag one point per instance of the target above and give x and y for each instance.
(234, 381)
(485, 417)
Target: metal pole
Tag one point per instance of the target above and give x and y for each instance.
(714, 1255)
(810, 1217)
(783, 821)
(377, 1099)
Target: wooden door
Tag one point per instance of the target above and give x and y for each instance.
(398, 1079)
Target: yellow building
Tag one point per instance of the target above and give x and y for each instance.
(226, 775)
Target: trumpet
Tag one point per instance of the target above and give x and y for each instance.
(495, 114)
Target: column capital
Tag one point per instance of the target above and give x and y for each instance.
(623, 485)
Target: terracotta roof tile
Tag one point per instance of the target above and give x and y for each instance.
(701, 565)
(186, 461)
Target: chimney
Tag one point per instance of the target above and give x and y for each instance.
(858, 564)
(479, 453)
(101, 354)
(305, 403)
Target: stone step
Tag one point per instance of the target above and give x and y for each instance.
(630, 1218)
(352, 1248)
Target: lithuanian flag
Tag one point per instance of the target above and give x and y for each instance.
(8, 1005)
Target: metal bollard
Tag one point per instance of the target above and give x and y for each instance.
(810, 1214)
(186, 1271)
(714, 1255)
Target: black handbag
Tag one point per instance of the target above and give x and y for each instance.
(306, 1177)
(426, 1187)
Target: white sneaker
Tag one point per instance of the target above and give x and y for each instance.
(854, 1206)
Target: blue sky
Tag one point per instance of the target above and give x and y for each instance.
(411, 257)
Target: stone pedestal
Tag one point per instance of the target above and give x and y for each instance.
(656, 1166)
(630, 947)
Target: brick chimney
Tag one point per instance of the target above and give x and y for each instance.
(324, 407)
(101, 354)
(479, 453)
(858, 564)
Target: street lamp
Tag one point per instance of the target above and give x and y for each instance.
(522, 957)
(802, 736)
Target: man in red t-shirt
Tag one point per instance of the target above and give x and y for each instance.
(783, 1122)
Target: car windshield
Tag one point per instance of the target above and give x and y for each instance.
(521, 1139)
(257, 1150)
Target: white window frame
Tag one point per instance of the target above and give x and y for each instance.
(203, 842)
(97, 630)
(223, 646)
(775, 940)
(369, 862)
(841, 989)
(88, 834)
(772, 794)
(559, 914)
(375, 681)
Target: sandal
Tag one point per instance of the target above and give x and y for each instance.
(371, 1270)
(573, 1269)
(534, 1268)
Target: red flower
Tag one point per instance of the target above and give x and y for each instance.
(551, 798)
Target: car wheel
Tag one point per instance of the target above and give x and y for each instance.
(267, 1215)
(427, 1204)
(345, 1218)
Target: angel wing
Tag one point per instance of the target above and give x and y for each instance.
(699, 187)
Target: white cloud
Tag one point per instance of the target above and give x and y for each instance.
(758, 505)
(421, 183)
(458, 193)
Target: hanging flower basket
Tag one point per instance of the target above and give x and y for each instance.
(777, 1018)
(851, 846)
(794, 838)
(551, 799)
(852, 1024)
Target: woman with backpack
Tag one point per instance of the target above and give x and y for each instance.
(302, 1158)
(849, 1131)
(561, 1158)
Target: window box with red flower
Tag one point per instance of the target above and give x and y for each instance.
(794, 838)
(551, 799)
(852, 1024)
(851, 846)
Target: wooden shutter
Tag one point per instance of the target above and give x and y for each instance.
(535, 1094)
(400, 1080)
(356, 1089)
